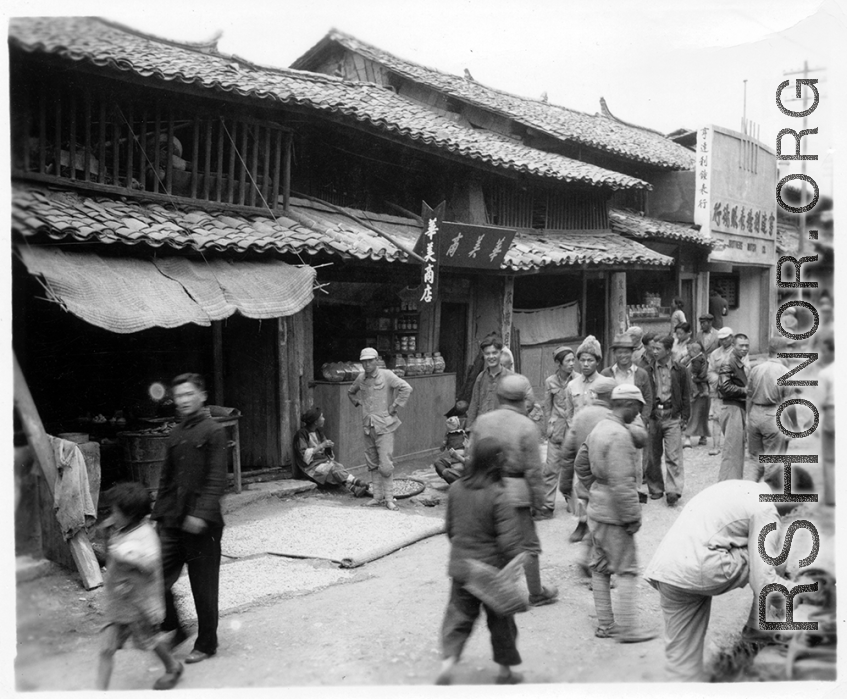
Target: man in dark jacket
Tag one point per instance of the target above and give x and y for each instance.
(188, 512)
(732, 388)
(606, 465)
(718, 307)
(671, 409)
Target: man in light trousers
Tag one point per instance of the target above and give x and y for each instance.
(379, 392)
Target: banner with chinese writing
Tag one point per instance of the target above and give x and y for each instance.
(466, 245)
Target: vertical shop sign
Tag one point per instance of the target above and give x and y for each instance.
(427, 247)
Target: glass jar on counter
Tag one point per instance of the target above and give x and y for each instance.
(438, 363)
(399, 365)
(428, 364)
(412, 366)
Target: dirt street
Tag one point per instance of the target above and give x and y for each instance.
(379, 627)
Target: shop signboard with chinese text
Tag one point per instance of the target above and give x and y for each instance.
(427, 247)
(480, 247)
(735, 178)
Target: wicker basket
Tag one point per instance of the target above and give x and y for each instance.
(499, 588)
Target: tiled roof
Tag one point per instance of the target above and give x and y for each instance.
(537, 250)
(112, 46)
(641, 227)
(70, 216)
(597, 131)
(310, 229)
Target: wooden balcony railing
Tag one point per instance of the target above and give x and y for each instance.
(150, 148)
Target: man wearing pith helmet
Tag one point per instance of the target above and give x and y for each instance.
(379, 393)
(606, 465)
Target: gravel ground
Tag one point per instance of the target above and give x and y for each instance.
(258, 580)
(326, 531)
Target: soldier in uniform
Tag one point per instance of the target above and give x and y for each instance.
(557, 425)
(521, 471)
(606, 465)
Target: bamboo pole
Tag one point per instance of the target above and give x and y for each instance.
(365, 224)
(81, 550)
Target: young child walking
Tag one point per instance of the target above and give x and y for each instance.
(134, 590)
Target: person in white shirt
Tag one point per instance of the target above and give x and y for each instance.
(710, 549)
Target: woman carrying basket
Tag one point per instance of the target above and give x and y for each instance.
(483, 527)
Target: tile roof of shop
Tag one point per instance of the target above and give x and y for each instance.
(598, 131)
(309, 229)
(109, 45)
(72, 216)
(645, 228)
(536, 250)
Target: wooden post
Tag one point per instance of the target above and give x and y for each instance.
(618, 304)
(83, 554)
(506, 316)
(583, 302)
(282, 366)
(218, 361)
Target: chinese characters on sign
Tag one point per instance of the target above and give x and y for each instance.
(741, 219)
(429, 261)
(427, 247)
(465, 245)
(704, 153)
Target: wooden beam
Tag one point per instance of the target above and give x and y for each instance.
(218, 361)
(284, 392)
(362, 223)
(81, 550)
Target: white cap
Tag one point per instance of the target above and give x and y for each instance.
(626, 391)
(368, 353)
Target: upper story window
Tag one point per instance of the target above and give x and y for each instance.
(513, 206)
(162, 145)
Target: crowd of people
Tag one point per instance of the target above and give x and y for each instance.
(616, 438)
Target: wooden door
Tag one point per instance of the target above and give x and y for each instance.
(452, 338)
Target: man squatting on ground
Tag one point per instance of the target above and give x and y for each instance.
(557, 425)
(188, 512)
(314, 457)
(521, 471)
(379, 392)
(606, 466)
(710, 549)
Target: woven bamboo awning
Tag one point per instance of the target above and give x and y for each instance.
(127, 294)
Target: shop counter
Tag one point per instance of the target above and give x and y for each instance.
(423, 418)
